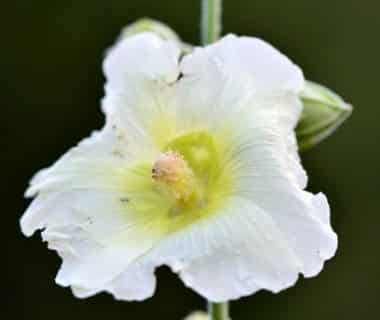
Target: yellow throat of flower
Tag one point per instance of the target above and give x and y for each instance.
(189, 180)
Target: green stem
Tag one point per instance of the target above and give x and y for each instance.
(211, 20)
(218, 311)
(211, 28)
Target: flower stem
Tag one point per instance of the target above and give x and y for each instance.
(211, 27)
(211, 20)
(218, 311)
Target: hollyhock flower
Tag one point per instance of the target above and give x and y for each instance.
(196, 168)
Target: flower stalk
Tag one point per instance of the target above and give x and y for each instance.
(211, 20)
(218, 311)
(211, 28)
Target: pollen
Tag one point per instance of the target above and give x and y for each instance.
(172, 172)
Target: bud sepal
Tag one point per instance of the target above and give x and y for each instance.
(323, 112)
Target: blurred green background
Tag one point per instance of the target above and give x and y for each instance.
(51, 83)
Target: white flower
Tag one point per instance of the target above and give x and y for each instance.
(196, 168)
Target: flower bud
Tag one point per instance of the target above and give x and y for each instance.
(323, 112)
(160, 29)
(197, 315)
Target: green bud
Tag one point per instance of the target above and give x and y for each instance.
(198, 315)
(159, 28)
(323, 112)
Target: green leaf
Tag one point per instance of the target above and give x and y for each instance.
(323, 112)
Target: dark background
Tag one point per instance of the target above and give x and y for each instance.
(51, 83)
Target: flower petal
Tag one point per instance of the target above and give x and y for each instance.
(140, 71)
(298, 215)
(85, 263)
(230, 255)
(82, 205)
(221, 80)
(94, 163)
(88, 230)
(271, 183)
(141, 58)
(251, 62)
(136, 283)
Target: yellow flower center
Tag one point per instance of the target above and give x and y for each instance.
(189, 180)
